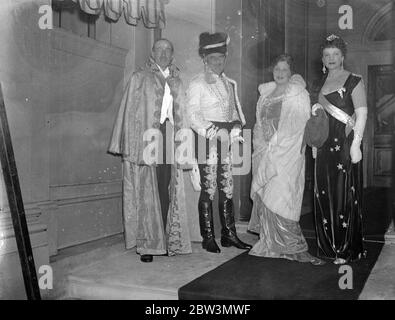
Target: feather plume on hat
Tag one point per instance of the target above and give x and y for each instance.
(212, 43)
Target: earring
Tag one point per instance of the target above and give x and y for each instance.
(341, 66)
(323, 68)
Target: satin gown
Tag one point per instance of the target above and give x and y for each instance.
(338, 185)
(278, 174)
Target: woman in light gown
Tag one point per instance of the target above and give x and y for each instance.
(338, 165)
(278, 164)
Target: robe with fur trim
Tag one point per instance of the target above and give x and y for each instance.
(140, 111)
(278, 165)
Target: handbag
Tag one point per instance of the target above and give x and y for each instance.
(316, 131)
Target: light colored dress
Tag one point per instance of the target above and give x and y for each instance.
(278, 164)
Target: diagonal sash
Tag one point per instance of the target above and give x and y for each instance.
(338, 114)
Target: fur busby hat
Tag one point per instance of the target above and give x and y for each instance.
(212, 43)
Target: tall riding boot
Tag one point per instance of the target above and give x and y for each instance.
(229, 237)
(207, 227)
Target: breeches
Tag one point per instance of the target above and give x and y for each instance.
(216, 173)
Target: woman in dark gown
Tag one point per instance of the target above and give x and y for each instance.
(338, 166)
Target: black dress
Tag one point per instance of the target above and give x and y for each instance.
(338, 184)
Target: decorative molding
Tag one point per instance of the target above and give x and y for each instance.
(69, 42)
(375, 23)
(76, 193)
(70, 195)
(48, 210)
(32, 213)
(37, 229)
(38, 238)
(42, 216)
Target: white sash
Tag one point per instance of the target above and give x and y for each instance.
(339, 114)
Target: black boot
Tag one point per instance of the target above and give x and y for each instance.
(207, 227)
(229, 237)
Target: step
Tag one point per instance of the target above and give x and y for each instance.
(125, 277)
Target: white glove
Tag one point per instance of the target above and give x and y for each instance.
(355, 149)
(314, 152)
(315, 107)
(235, 135)
(195, 177)
(208, 133)
(355, 153)
(211, 132)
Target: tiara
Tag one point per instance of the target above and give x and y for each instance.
(332, 37)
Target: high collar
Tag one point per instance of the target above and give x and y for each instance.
(173, 70)
(211, 77)
(165, 72)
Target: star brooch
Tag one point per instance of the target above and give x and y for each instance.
(340, 91)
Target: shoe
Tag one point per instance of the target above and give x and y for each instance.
(211, 246)
(317, 262)
(307, 257)
(146, 258)
(207, 227)
(340, 261)
(228, 234)
(234, 241)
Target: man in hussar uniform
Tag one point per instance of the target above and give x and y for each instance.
(215, 114)
(153, 187)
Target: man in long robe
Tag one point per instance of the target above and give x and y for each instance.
(153, 189)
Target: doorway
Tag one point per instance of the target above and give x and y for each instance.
(381, 125)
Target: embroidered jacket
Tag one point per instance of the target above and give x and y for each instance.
(212, 98)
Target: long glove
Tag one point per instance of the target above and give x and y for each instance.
(195, 177)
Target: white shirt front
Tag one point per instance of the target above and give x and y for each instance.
(167, 102)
